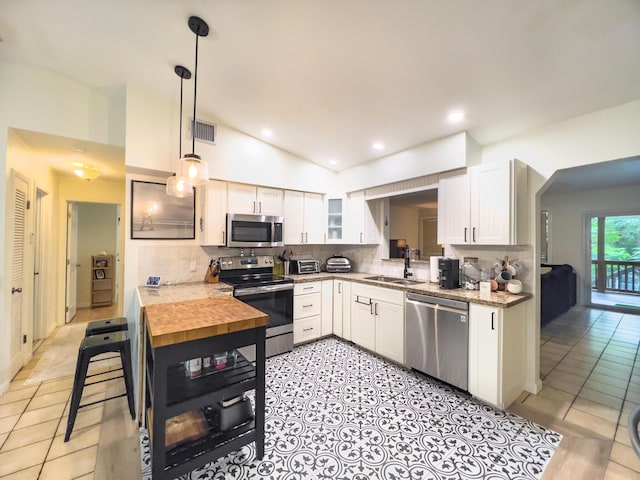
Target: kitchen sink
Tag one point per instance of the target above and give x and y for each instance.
(382, 278)
(395, 281)
(405, 281)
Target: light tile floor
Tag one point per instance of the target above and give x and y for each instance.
(590, 372)
(33, 420)
(589, 365)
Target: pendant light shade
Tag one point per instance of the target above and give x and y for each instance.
(194, 169)
(180, 185)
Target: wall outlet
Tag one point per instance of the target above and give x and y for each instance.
(192, 266)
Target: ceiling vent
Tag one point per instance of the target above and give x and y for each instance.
(204, 132)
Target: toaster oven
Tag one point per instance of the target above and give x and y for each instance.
(300, 267)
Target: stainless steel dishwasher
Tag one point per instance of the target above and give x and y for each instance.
(437, 338)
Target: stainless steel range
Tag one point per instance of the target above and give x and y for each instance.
(254, 283)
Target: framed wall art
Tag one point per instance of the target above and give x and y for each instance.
(158, 216)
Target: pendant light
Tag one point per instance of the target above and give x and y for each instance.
(191, 165)
(179, 185)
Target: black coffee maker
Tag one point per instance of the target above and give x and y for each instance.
(449, 273)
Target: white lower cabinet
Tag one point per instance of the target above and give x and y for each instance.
(497, 345)
(326, 314)
(307, 310)
(377, 320)
(342, 309)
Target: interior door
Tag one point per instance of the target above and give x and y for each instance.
(20, 190)
(38, 314)
(72, 261)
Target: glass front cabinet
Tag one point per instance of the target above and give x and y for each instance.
(335, 208)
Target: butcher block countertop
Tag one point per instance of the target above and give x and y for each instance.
(177, 322)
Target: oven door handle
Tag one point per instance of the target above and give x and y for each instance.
(242, 292)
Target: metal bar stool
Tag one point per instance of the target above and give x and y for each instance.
(90, 347)
(106, 326)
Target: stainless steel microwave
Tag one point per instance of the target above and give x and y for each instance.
(245, 230)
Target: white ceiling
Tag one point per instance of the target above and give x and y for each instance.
(330, 77)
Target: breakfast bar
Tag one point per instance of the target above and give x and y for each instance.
(178, 332)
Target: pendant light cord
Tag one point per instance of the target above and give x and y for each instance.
(195, 93)
(180, 142)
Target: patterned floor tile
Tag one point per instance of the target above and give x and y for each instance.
(334, 411)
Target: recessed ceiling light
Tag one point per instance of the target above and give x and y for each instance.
(267, 133)
(456, 116)
(333, 161)
(378, 146)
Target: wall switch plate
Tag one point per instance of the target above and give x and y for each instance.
(192, 266)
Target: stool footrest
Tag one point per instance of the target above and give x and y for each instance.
(95, 360)
(101, 381)
(100, 401)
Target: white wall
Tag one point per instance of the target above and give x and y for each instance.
(443, 154)
(152, 144)
(567, 212)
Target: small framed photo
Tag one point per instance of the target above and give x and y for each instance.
(101, 263)
(153, 281)
(100, 274)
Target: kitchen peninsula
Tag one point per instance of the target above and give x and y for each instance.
(176, 331)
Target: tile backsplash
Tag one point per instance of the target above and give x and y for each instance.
(174, 263)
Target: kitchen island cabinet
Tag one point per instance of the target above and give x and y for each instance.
(177, 332)
(497, 346)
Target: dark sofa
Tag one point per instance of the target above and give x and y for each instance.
(557, 291)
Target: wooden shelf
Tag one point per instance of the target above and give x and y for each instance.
(102, 280)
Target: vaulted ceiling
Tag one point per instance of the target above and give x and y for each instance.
(331, 77)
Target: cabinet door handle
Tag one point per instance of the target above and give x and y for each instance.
(465, 234)
(376, 309)
(307, 288)
(301, 237)
(201, 224)
(259, 207)
(339, 287)
(222, 236)
(492, 317)
(306, 237)
(307, 329)
(308, 305)
(473, 235)
(361, 237)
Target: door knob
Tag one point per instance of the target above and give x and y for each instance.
(16, 290)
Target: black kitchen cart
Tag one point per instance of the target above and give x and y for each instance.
(185, 330)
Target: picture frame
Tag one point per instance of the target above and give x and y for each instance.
(100, 263)
(153, 281)
(158, 216)
(100, 275)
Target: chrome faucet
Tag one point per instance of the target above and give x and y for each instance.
(407, 262)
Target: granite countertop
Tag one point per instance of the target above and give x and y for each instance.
(494, 299)
(182, 292)
(198, 290)
(185, 321)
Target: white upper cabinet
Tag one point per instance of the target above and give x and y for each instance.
(453, 210)
(487, 206)
(213, 210)
(251, 199)
(335, 215)
(360, 225)
(303, 213)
